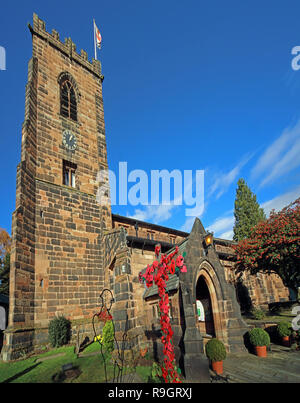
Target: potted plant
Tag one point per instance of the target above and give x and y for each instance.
(260, 339)
(284, 330)
(216, 352)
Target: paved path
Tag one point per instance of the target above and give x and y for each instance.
(282, 365)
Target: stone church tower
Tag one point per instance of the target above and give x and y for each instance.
(56, 259)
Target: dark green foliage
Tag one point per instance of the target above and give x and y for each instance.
(247, 212)
(258, 314)
(108, 336)
(59, 330)
(284, 329)
(4, 274)
(215, 350)
(259, 337)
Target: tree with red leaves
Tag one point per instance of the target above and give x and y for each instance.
(274, 246)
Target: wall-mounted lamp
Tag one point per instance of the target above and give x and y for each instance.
(208, 239)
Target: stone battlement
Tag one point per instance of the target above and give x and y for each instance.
(68, 47)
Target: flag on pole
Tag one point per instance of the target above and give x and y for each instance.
(98, 36)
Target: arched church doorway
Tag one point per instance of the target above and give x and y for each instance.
(204, 308)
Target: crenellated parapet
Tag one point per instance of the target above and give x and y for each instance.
(68, 47)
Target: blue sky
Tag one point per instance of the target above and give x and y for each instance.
(188, 85)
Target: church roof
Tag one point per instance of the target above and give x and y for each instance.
(125, 219)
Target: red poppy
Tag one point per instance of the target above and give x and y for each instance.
(172, 267)
(179, 261)
(157, 250)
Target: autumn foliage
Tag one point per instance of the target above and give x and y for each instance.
(5, 242)
(5, 248)
(274, 246)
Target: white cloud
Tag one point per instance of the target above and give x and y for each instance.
(222, 227)
(187, 226)
(227, 235)
(155, 214)
(279, 202)
(224, 180)
(281, 157)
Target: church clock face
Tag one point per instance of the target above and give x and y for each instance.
(69, 140)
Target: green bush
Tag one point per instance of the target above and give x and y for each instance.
(258, 314)
(215, 350)
(284, 329)
(59, 330)
(259, 337)
(108, 335)
(156, 374)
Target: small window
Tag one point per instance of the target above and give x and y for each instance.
(155, 311)
(69, 174)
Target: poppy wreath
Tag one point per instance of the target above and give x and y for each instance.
(104, 315)
(158, 273)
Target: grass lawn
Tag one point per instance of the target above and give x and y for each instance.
(283, 316)
(43, 369)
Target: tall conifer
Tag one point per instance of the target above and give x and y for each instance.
(247, 211)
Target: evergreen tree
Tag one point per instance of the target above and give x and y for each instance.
(4, 274)
(247, 211)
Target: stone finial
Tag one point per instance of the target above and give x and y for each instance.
(97, 66)
(84, 54)
(70, 45)
(38, 24)
(55, 34)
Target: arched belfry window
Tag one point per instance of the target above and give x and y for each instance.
(68, 100)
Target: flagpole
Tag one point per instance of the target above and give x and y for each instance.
(95, 46)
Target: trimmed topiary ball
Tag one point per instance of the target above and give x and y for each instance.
(259, 337)
(59, 331)
(284, 329)
(215, 350)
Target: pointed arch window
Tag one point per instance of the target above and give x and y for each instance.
(68, 102)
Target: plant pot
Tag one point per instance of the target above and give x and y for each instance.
(261, 351)
(286, 341)
(217, 366)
